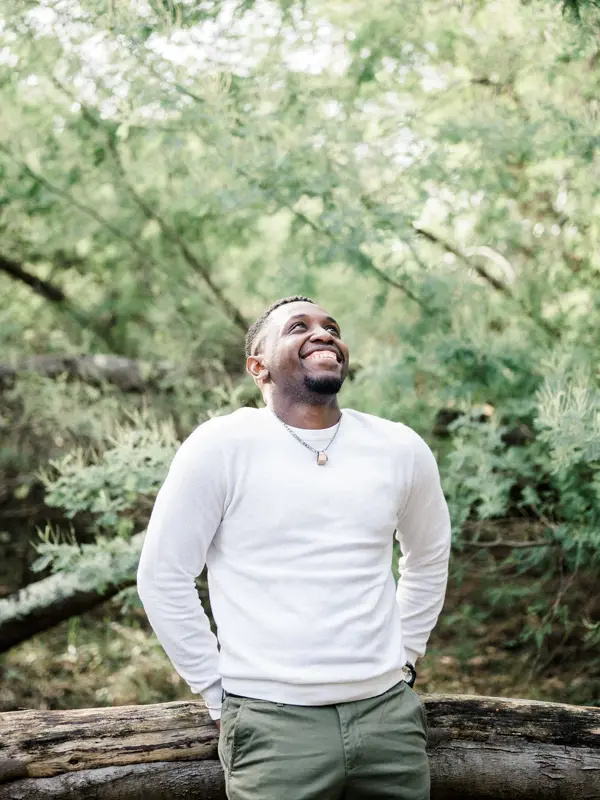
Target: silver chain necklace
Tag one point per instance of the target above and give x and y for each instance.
(322, 457)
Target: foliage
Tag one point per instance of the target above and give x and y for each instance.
(569, 418)
(168, 169)
(117, 480)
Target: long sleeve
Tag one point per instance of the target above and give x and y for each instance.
(424, 536)
(187, 513)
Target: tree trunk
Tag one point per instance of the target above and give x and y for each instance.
(480, 748)
(163, 780)
(125, 374)
(45, 603)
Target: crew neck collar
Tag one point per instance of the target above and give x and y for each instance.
(307, 433)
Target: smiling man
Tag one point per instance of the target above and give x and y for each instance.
(293, 508)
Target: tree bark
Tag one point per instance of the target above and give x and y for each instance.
(124, 373)
(480, 748)
(197, 780)
(45, 603)
(53, 293)
(499, 285)
(50, 291)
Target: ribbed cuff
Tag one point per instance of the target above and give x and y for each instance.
(212, 696)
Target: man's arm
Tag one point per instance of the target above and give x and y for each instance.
(424, 537)
(187, 513)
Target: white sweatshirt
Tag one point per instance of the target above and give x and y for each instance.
(299, 558)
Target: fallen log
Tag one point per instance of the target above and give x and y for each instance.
(200, 780)
(480, 748)
(124, 373)
(96, 369)
(45, 603)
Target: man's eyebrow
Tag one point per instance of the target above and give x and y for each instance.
(303, 316)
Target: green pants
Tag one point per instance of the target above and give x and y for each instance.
(367, 749)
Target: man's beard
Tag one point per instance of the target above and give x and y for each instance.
(323, 384)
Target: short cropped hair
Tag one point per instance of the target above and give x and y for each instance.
(255, 330)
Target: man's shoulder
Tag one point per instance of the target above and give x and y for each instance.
(381, 425)
(225, 427)
(224, 424)
(400, 441)
(397, 437)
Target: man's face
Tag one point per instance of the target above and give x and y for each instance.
(303, 351)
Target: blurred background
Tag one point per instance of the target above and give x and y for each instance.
(429, 171)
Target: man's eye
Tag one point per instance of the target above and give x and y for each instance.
(295, 325)
(334, 329)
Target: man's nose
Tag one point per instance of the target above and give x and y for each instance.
(322, 334)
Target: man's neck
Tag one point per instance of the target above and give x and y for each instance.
(306, 415)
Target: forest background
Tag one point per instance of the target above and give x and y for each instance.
(429, 171)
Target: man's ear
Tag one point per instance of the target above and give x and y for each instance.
(256, 368)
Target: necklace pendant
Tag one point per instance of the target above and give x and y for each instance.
(322, 458)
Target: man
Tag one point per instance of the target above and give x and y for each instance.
(293, 508)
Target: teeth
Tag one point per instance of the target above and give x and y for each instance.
(322, 354)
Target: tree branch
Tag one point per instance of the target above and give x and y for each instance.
(168, 230)
(40, 286)
(366, 261)
(172, 234)
(497, 284)
(90, 212)
(96, 369)
(45, 603)
(54, 294)
(510, 544)
(483, 273)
